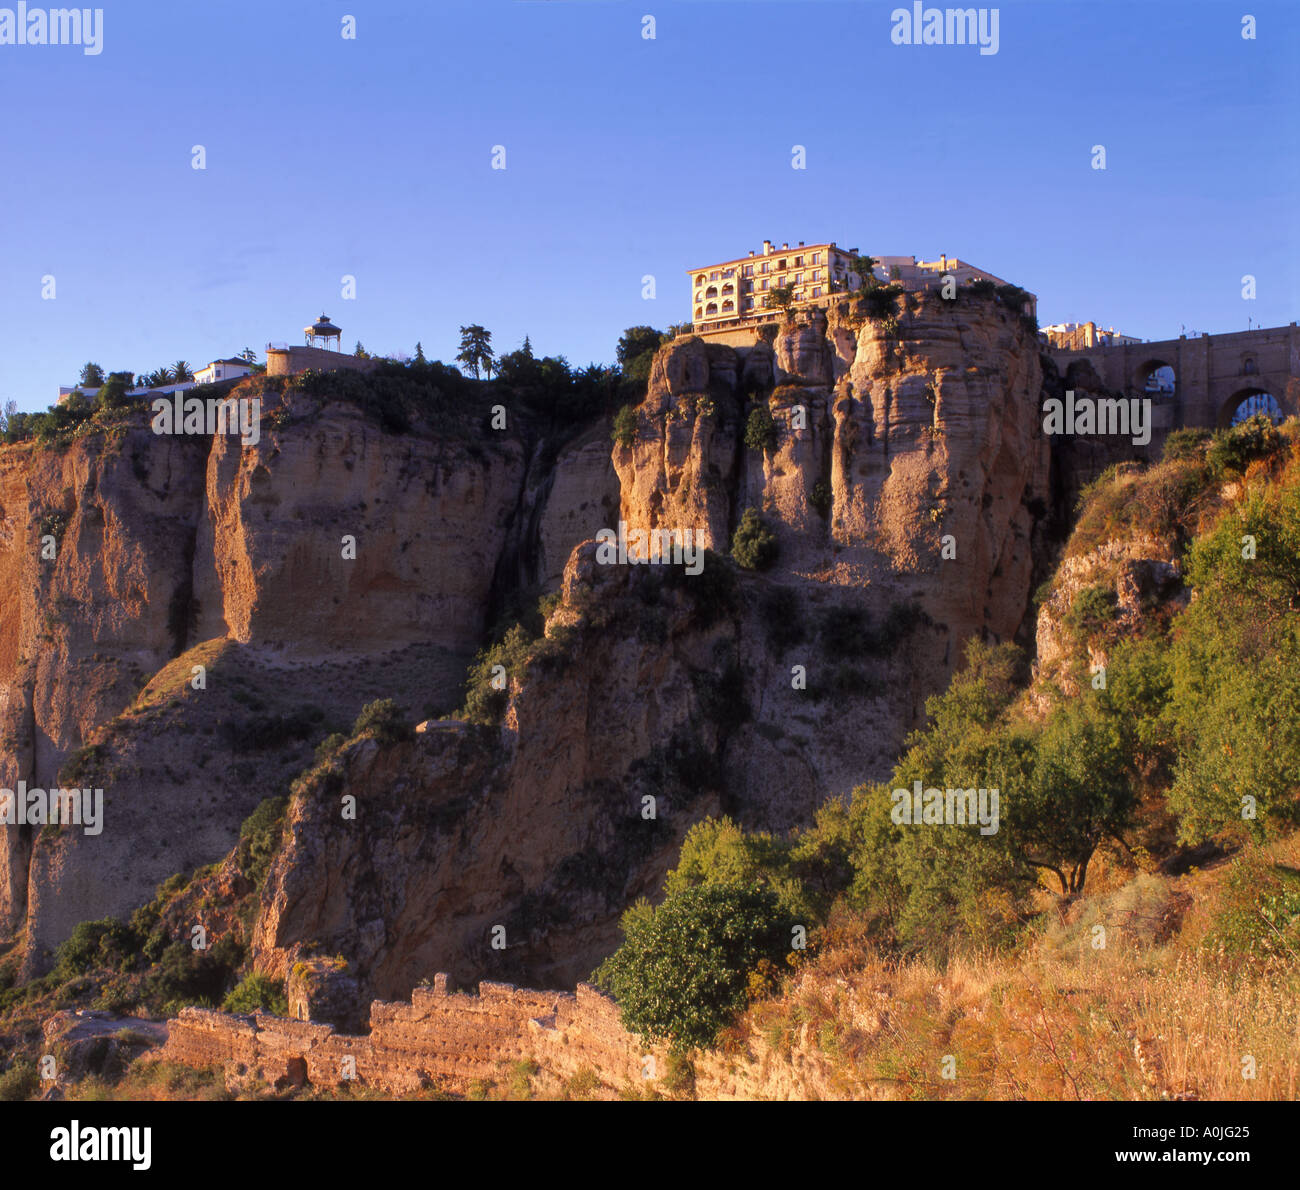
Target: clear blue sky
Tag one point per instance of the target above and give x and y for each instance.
(625, 156)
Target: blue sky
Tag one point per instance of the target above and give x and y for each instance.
(372, 158)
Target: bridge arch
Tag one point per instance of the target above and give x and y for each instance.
(1156, 378)
(1246, 402)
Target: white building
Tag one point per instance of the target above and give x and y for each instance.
(223, 369)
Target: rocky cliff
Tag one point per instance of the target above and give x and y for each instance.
(898, 460)
(130, 559)
(512, 856)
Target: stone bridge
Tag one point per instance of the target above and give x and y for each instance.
(1211, 376)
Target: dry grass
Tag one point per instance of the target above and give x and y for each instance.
(1151, 1015)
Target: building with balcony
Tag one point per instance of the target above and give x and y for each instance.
(737, 288)
(732, 292)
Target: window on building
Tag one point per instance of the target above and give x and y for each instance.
(798, 262)
(781, 265)
(764, 285)
(817, 258)
(817, 291)
(713, 276)
(749, 270)
(749, 303)
(798, 278)
(763, 267)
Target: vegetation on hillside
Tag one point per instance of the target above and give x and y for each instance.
(1192, 739)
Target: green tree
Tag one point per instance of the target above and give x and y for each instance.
(635, 342)
(1082, 792)
(780, 297)
(181, 371)
(419, 354)
(476, 350)
(760, 429)
(683, 969)
(754, 545)
(864, 267)
(92, 376)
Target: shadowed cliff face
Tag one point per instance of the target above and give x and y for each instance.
(172, 552)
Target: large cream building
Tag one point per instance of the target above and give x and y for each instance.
(734, 290)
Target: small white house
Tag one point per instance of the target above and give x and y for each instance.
(223, 369)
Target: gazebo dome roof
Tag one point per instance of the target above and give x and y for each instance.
(322, 326)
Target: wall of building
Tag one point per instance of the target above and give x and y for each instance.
(447, 1039)
(284, 361)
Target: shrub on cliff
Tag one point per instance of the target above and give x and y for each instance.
(259, 839)
(384, 720)
(754, 544)
(1234, 448)
(882, 302)
(760, 429)
(487, 687)
(683, 969)
(1092, 610)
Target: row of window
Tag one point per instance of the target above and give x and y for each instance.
(782, 264)
(797, 279)
(711, 310)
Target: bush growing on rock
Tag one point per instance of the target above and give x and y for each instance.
(760, 429)
(1234, 448)
(754, 544)
(384, 720)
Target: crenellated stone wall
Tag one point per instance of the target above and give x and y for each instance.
(441, 1038)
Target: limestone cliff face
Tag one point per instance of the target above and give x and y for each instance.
(171, 552)
(897, 442)
(94, 566)
(533, 836)
(917, 431)
(428, 522)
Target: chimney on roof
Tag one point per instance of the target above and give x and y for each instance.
(784, 247)
(767, 247)
(751, 252)
(801, 243)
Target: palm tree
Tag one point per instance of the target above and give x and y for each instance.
(181, 370)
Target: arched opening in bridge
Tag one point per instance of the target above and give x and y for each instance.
(1156, 378)
(1248, 402)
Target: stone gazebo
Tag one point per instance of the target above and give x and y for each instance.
(321, 332)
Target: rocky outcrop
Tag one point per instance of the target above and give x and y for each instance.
(326, 565)
(893, 438)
